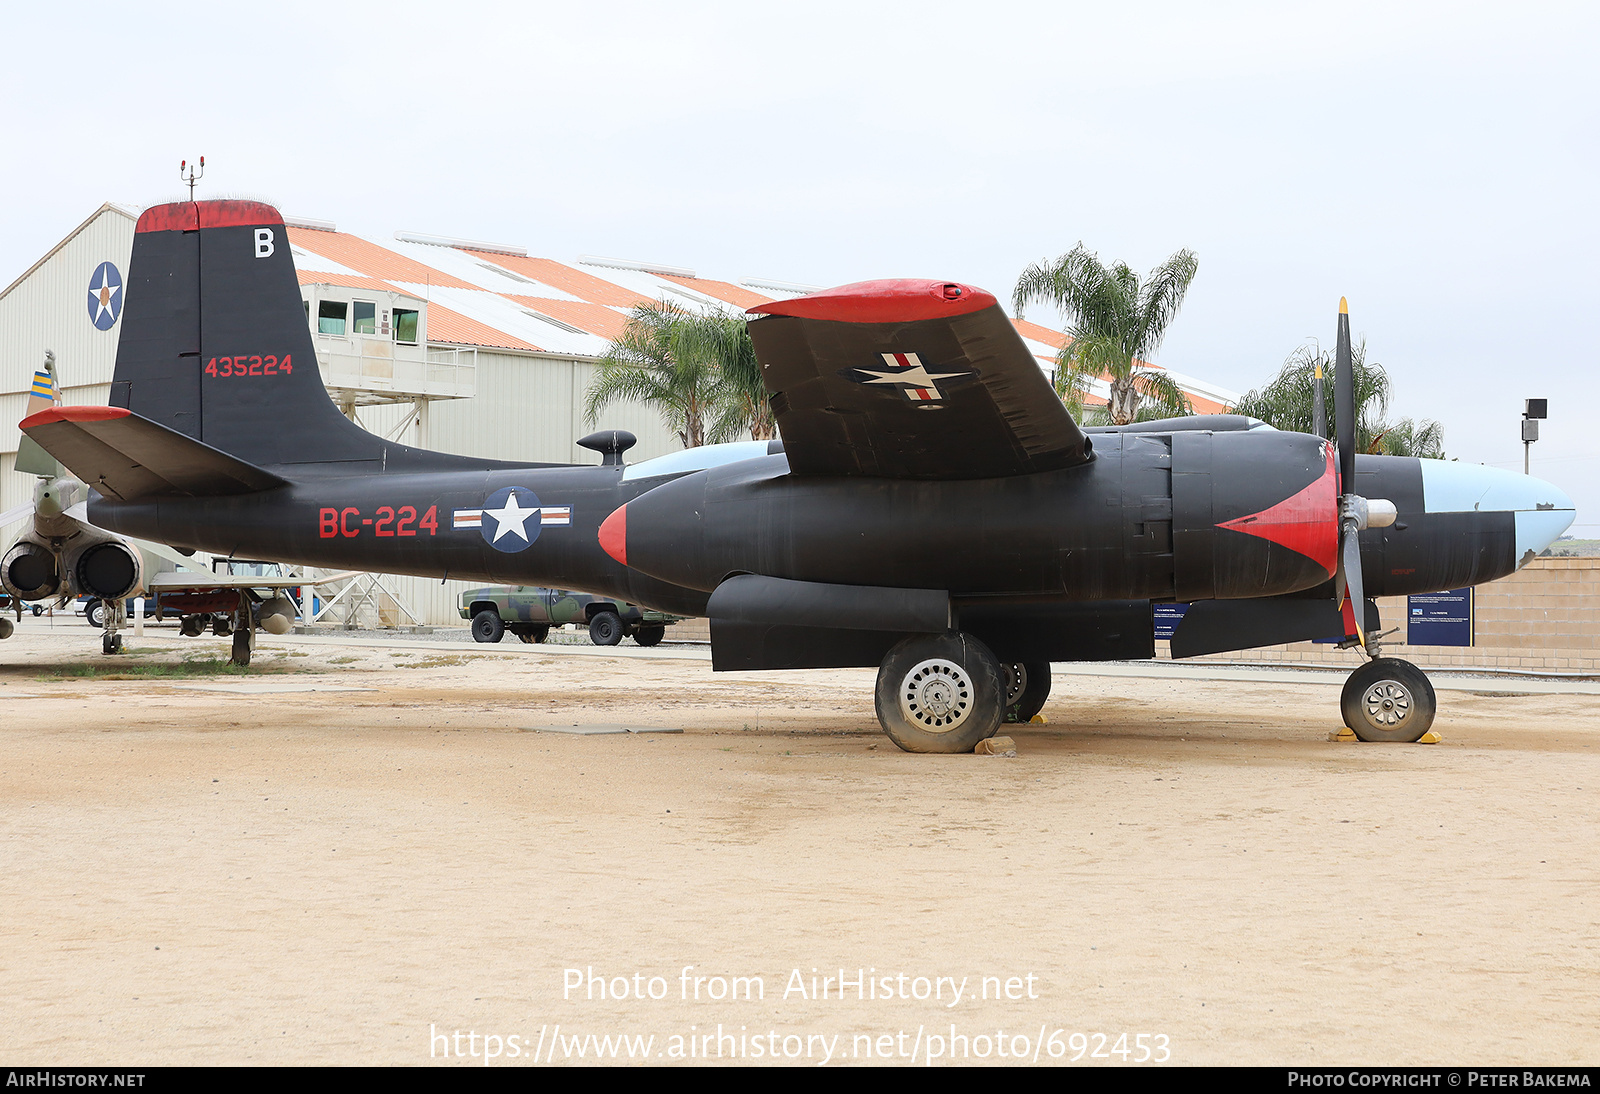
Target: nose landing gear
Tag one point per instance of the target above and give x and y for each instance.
(1388, 699)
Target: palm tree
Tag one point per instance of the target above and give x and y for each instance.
(651, 363)
(741, 396)
(1287, 403)
(698, 369)
(1116, 322)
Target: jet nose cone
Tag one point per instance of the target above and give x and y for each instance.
(1542, 511)
(1541, 525)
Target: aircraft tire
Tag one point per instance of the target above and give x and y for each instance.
(605, 629)
(94, 614)
(1027, 687)
(940, 693)
(1388, 699)
(110, 643)
(241, 648)
(649, 636)
(487, 626)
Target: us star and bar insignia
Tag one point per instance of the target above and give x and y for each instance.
(512, 518)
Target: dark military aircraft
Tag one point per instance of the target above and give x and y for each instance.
(932, 508)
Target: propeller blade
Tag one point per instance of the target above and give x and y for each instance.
(1344, 404)
(1354, 600)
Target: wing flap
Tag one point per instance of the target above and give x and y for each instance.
(129, 457)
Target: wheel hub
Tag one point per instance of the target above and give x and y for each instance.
(1386, 704)
(1016, 684)
(937, 695)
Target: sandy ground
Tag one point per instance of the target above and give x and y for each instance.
(352, 876)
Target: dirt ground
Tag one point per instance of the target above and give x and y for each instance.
(1172, 868)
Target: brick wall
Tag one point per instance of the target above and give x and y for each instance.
(1543, 618)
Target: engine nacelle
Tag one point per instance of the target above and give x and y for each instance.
(30, 570)
(105, 567)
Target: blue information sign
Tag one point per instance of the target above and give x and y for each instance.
(1440, 619)
(1167, 618)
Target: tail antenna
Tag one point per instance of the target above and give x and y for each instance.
(196, 173)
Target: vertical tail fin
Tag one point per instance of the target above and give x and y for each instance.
(215, 342)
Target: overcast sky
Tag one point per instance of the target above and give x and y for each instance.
(1435, 163)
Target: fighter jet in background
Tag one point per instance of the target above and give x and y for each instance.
(932, 508)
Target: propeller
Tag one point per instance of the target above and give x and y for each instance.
(1355, 512)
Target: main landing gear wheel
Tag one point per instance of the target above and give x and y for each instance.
(940, 693)
(1027, 687)
(605, 629)
(487, 626)
(241, 648)
(1388, 699)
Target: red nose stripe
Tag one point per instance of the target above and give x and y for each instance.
(614, 535)
(1307, 523)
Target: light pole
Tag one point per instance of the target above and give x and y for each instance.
(1532, 412)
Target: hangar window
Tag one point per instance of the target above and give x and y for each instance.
(405, 326)
(364, 318)
(331, 316)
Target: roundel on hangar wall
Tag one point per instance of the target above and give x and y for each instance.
(105, 296)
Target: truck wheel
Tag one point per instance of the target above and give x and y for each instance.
(94, 614)
(487, 626)
(605, 629)
(537, 632)
(649, 636)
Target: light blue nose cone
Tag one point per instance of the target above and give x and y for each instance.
(1542, 511)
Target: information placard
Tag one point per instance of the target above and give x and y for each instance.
(1440, 619)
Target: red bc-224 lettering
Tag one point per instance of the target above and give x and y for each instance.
(252, 365)
(387, 521)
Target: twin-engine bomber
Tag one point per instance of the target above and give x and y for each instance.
(932, 508)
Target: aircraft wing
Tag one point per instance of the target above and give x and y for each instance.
(909, 380)
(171, 582)
(15, 514)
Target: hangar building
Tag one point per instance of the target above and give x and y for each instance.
(458, 345)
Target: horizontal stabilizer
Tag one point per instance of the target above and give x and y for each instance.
(1217, 626)
(131, 458)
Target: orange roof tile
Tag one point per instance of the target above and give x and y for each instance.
(345, 281)
(371, 259)
(1039, 334)
(445, 325)
(591, 318)
(721, 290)
(548, 271)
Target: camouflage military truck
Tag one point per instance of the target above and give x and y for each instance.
(529, 612)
